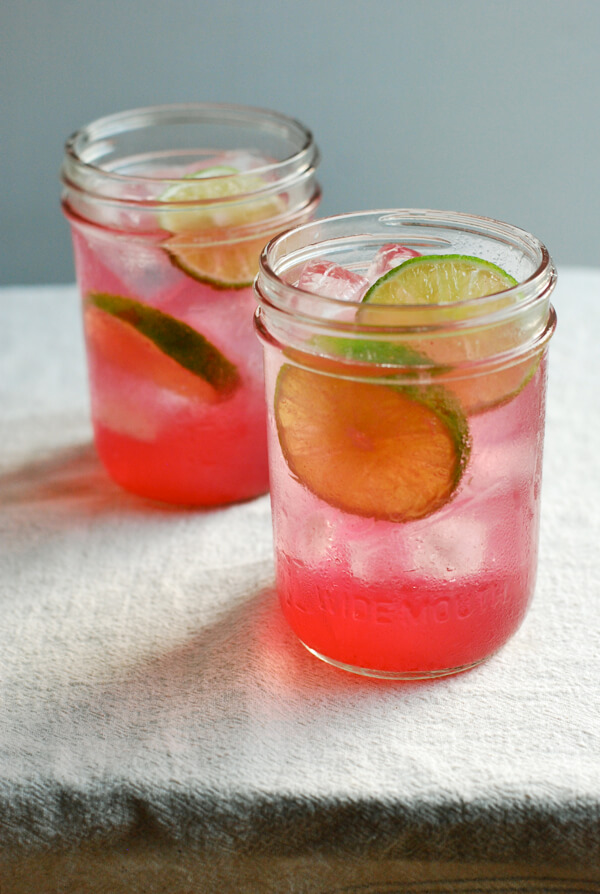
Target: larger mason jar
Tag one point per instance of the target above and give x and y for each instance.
(405, 361)
(169, 208)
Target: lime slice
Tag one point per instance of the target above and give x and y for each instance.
(201, 245)
(451, 280)
(211, 188)
(439, 279)
(182, 192)
(359, 357)
(151, 344)
(229, 265)
(389, 452)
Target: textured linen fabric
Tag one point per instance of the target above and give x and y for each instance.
(161, 729)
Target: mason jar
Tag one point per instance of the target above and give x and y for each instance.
(405, 362)
(169, 208)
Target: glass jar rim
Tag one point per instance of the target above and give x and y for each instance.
(88, 144)
(290, 248)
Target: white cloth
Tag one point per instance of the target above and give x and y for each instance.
(153, 700)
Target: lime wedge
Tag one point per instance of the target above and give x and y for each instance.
(155, 345)
(451, 280)
(395, 453)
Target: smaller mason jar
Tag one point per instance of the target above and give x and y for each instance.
(406, 423)
(169, 208)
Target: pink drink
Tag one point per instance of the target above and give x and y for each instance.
(406, 423)
(167, 236)
(417, 598)
(154, 438)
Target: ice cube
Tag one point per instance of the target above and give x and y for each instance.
(122, 412)
(454, 547)
(143, 267)
(331, 280)
(229, 162)
(242, 160)
(314, 539)
(389, 256)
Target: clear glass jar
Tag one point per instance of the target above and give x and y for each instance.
(405, 438)
(169, 208)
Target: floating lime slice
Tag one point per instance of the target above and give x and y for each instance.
(451, 280)
(229, 265)
(211, 188)
(201, 245)
(439, 279)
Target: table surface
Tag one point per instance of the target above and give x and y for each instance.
(152, 699)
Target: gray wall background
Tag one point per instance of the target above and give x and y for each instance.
(487, 106)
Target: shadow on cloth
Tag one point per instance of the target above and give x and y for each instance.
(249, 665)
(73, 479)
(66, 474)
